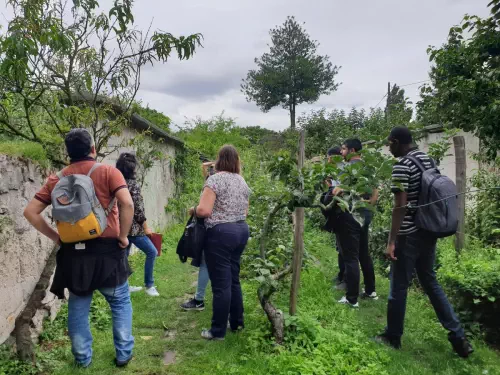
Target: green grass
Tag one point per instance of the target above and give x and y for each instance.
(340, 337)
(29, 150)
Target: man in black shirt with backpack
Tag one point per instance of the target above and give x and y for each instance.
(412, 248)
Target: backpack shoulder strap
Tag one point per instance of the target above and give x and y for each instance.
(417, 162)
(94, 167)
(110, 207)
(60, 174)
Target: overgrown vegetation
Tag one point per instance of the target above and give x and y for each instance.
(472, 279)
(324, 339)
(28, 150)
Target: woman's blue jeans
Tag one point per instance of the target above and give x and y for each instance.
(144, 244)
(203, 280)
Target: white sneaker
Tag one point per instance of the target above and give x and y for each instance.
(152, 292)
(133, 289)
(345, 301)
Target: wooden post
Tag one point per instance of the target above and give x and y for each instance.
(298, 238)
(461, 181)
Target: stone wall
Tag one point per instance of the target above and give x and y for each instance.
(23, 251)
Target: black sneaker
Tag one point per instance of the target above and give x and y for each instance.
(385, 339)
(81, 365)
(461, 346)
(122, 363)
(241, 327)
(193, 305)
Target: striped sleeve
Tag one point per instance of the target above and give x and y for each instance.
(400, 177)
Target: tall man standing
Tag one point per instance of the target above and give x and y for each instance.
(410, 248)
(98, 264)
(353, 238)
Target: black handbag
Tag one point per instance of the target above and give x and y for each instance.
(193, 239)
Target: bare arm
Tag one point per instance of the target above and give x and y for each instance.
(33, 213)
(126, 206)
(206, 205)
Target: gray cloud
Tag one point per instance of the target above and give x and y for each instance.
(374, 41)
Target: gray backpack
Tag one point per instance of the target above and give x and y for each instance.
(78, 213)
(438, 207)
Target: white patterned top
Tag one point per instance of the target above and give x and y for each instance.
(231, 198)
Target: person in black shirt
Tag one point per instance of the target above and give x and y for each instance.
(353, 238)
(410, 249)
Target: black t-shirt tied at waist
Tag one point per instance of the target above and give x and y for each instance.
(102, 264)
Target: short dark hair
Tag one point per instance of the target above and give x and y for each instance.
(127, 163)
(402, 134)
(228, 160)
(334, 151)
(353, 143)
(78, 143)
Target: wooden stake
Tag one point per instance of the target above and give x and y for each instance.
(461, 181)
(298, 238)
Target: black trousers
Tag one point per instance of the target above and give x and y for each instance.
(417, 251)
(352, 239)
(224, 245)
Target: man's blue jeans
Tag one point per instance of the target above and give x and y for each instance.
(203, 280)
(417, 251)
(79, 328)
(144, 244)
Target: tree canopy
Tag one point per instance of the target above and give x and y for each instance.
(464, 91)
(291, 73)
(63, 67)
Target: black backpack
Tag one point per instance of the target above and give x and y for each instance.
(438, 198)
(193, 240)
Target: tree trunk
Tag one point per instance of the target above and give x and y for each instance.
(461, 181)
(265, 229)
(24, 344)
(274, 315)
(298, 238)
(292, 116)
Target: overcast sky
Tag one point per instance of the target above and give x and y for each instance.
(374, 42)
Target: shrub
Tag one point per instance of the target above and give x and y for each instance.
(29, 150)
(472, 280)
(483, 219)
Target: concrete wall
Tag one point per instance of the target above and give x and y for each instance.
(447, 166)
(158, 186)
(23, 252)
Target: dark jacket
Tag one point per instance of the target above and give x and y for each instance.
(184, 251)
(102, 264)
